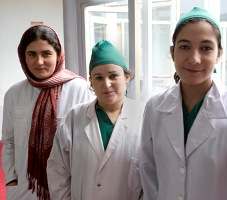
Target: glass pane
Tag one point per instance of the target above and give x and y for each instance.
(156, 69)
(161, 13)
(186, 5)
(160, 49)
(223, 16)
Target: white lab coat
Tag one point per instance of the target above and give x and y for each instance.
(171, 171)
(19, 103)
(79, 168)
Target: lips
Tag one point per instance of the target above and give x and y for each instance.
(108, 92)
(193, 70)
(40, 69)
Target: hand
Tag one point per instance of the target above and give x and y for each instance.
(12, 183)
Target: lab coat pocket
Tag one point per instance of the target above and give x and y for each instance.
(134, 176)
(12, 192)
(20, 127)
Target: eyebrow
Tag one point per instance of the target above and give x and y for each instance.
(188, 41)
(45, 51)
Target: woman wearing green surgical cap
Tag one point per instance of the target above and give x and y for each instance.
(95, 151)
(184, 132)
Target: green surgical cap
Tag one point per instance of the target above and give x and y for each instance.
(106, 53)
(197, 12)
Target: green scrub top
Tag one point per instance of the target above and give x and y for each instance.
(189, 118)
(105, 125)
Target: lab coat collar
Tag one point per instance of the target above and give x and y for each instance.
(213, 102)
(93, 132)
(203, 124)
(173, 120)
(171, 100)
(94, 135)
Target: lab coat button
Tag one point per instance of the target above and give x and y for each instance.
(180, 198)
(182, 170)
(99, 185)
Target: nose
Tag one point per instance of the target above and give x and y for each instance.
(194, 57)
(40, 60)
(107, 82)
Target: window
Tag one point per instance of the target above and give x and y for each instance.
(110, 21)
(142, 30)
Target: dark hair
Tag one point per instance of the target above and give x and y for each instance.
(40, 32)
(194, 20)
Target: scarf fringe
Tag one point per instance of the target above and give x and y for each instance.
(41, 192)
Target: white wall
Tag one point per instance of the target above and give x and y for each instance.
(15, 18)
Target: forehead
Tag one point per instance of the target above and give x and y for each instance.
(198, 31)
(107, 68)
(39, 45)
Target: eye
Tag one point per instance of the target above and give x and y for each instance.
(31, 54)
(46, 54)
(206, 48)
(113, 76)
(98, 78)
(184, 47)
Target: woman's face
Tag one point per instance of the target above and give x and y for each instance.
(41, 59)
(196, 53)
(109, 83)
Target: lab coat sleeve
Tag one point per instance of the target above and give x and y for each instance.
(8, 162)
(74, 92)
(58, 166)
(85, 93)
(147, 161)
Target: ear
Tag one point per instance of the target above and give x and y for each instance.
(127, 78)
(172, 52)
(220, 52)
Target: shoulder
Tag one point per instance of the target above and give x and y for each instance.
(132, 109)
(80, 110)
(218, 90)
(170, 94)
(133, 104)
(220, 87)
(17, 87)
(78, 82)
(78, 117)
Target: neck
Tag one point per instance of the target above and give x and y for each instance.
(112, 110)
(191, 94)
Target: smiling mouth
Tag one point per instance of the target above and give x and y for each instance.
(40, 69)
(193, 71)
